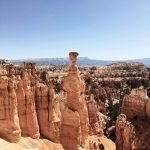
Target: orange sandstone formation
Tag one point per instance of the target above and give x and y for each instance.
(9, 121)
(134, 135)
(125, 133)
(136, 104)
(30, 108)
(75, 123)
(26, 110)
(48, 114)
(96, 119)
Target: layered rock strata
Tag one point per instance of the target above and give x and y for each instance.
(29, 107)
(125, 133)
(48, 112)
(136, 104)
(96, 119)
(134, 135)
(9, 120)
(26, 110)
(75, 123)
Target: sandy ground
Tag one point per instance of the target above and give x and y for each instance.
(108, 144)
(30, 144)
(43, 144)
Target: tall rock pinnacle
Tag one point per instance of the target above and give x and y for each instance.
(75, 121)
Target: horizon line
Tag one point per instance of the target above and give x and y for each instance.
(19, 59)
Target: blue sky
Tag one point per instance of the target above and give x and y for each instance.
(100, 29)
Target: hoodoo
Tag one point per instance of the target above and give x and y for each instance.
(75, 122)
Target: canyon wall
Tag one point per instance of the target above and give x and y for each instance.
(30, 110)
(136, 104)
(133, 132)
(27, 107)
(125, 133)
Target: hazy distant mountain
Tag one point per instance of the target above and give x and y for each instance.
(145, 61)
(82, 61)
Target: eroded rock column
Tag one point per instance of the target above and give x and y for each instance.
(9, 121)
(48, 113)
(26, 108)
(75, 123)
(125, 133)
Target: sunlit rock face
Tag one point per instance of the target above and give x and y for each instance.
(30, 108)
(26, 104)
(74, 131)
(27, 110)
(21, 105)
(48, 113)
(9, 120)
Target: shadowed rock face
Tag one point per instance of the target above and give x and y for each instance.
(136, 104)
(96, 119)
(125, 133)
(134, 134)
